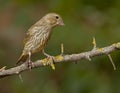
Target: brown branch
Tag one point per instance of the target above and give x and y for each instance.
(62, 58)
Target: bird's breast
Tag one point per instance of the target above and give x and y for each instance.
(39, 41)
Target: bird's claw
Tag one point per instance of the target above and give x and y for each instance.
(30, 65)
(50, 61)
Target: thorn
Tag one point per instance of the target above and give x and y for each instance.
(2, 69)
(20, 77)
(114, 67)
(94, 43)
(62, 49)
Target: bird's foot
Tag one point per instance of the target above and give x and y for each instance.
(30, 65)
(49, 61)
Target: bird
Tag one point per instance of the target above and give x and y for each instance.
(38, 36)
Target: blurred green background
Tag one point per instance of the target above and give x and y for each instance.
(84, 19)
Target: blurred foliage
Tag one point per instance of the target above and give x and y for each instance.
(84, 19)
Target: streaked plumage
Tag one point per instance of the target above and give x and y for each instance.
(39, 34)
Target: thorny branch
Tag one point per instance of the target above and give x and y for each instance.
(63, 58)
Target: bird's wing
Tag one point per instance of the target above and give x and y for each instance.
(27, 37)
(31, 32)
(33, 29)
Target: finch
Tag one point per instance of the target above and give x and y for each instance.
(38, 35)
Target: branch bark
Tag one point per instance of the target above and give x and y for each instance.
(61, 58)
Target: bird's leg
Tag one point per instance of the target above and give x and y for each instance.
(50, 59)
(30, 63)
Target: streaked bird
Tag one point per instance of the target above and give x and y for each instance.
(38, 35)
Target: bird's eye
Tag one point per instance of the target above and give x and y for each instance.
(57, 17)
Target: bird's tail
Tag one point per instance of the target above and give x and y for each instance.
(22, 59)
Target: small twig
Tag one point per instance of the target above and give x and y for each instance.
(20, 77)
(94, 43)
(2, 69)
(62, 49)
(112, 62)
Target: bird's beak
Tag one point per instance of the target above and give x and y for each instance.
(61, 23)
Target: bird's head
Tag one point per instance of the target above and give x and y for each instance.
(53, 19)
